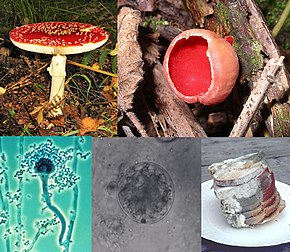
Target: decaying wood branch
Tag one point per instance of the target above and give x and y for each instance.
(256, 97)
(243, 20)
(176, 112)
(279, 122)
(254, 45)
(130, 63)
(265, 37)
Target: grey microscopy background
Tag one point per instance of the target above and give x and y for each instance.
(179, 230)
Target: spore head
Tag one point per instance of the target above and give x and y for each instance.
(49, 161)
(44, 166)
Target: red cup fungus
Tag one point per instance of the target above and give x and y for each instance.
(200, 66)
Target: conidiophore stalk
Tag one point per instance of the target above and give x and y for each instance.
(54, 209)
(73, 214)
(5, 202)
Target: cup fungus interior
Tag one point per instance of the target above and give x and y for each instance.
(189, 66)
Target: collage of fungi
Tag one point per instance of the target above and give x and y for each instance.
(145, 126)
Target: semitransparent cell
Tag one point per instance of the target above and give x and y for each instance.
(146, 192)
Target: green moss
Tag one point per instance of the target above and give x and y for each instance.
(256, 59)
(249, 52)
(256, 62)
(222, 13)
(272, 10)
(153, 22)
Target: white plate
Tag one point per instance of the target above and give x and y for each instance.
(214, 226)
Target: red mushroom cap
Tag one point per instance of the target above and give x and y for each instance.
(200, 66)
(58, 37)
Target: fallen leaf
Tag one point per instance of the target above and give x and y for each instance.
(114, 83)
(4, 51)
(88, 124)
(70, 110)
(22, 121)
(2, 90)
(96, 66)
(58, 121)
(108, 96)
(47, 132)
(114, 52)
(39, 117)
(36, 110)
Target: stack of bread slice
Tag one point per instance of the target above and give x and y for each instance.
(246, 188)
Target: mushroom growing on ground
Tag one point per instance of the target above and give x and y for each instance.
(59, 39)
(200, 66)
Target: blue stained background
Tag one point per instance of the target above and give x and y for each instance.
(32, 203)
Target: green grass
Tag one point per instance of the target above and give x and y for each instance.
(20, 12)
(86, 95)
(96, 12)
(272, 10)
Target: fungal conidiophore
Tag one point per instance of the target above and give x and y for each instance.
(43, 192)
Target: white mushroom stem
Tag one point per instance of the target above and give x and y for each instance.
(57, 71)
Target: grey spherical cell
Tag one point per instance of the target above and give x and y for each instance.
(145, 192)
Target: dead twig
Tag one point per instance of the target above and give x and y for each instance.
(278, 89)
(21, 83)
(101, 103)
(256, 97)
(91, 68)
(127, 131)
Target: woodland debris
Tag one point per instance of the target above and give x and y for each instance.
(88, 124)
(256, 97)
(130, 63)
(199, 10)
(279, 122)
(253, 40)
(176, 112)
(262, 32)
(254, 44)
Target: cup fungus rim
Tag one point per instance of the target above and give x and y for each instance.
(209, 36)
